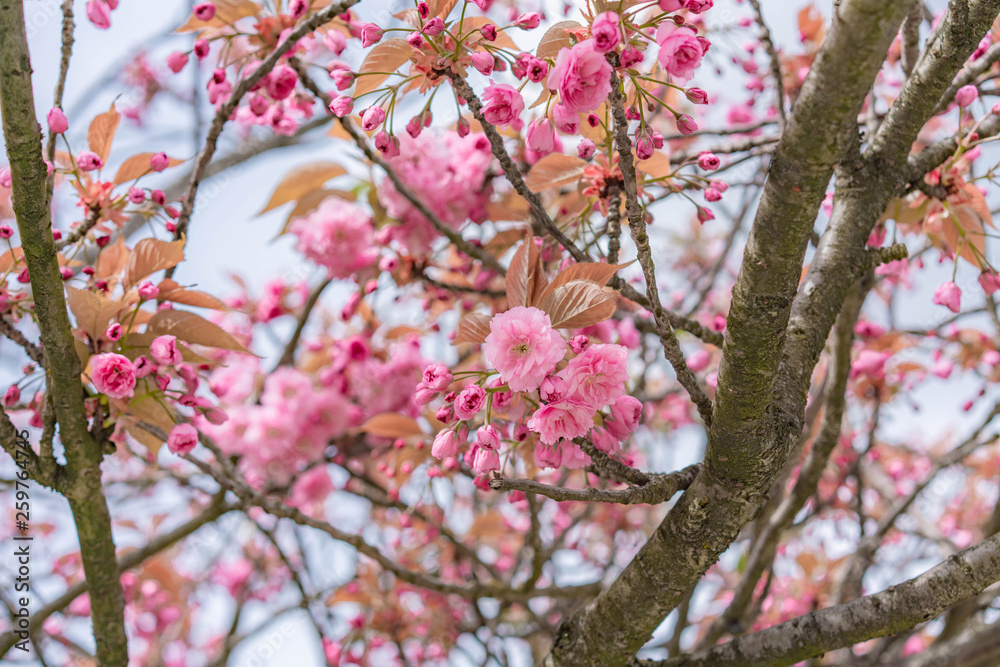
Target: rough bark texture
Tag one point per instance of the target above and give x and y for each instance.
(961, 576)
(763, 378)
(30, 198)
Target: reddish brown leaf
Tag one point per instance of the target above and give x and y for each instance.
(525, 277)
(102, 132)
(193, 329)
(473, 328)
(150, 256)
(579, 304)
(387, 56)
(554, 39)
(591, 272)
(303, 180)
(401, 332)
(112, 259)
(93, 312)
(171, 291)
(392, 425)
(10, 258)
(226, 12)
(555, 169)
(136, 166)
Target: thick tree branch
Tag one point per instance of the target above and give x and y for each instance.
(637, 228)
(83, 455)
(897, 608)
(659, 489)
(746, 450)
(125, 563)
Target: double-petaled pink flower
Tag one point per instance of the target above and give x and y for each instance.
(523, 347)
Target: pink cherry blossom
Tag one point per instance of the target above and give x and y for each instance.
(113, 375)
(503, 104)
(99, 13)
(164, 351)
(469, 402)
(523, 347)
(339, 236)
(183, 439)
(446, 444)
(950, 295)
(680, 52)
(605, 31)
(582, 76)
(966, 95)
(57, 121)
(370, 34)
(205, 11)
(562, 419)
(625, 415)
(485, 460)
(598, 376)
(540, 136)
(176, 61)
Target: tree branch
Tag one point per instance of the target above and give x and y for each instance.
(659, 489)
(83, 455)
(897, 608)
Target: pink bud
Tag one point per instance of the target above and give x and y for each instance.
(528, 21)
(370, 34)
(6, 231)
(342, 106)
(708, 161)
(57, 121)
(585, 149)
(372, 118)
(966, 95)
(159, 161)
(950, 295)
(489, 32)
(540, 136)
(89, 161)
(136, 195)
(686, 124)
(176, 61)
(335, 41)
(434, 27)
(696, 95)
(483, 62)
(205, 11)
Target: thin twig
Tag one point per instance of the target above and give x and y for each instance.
(772, 53)
(659, 489)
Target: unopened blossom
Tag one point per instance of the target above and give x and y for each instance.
(631, 56)
(99, 13)
(281, 82)
(698, 6)
(966, 95)
(205, 11)
(696, 95)
(671, 5)
(183, 439)
(489, 32)
(523, 347)
(57, 121)
(597, 376)
(528, 21)
(335, 41)
(470, 401)
(159, 161)
(148, 290)
(566, 121)
(562, 419)
(372, 118)
(488, 437)
(586, 149)
(503, 104)
(446, 444)
(485, 460)
(680, 52)
(11, 396)
(176, 61)
(547, 456)
(434, 27)
(164, 351)
(582, 76)
(644, 148)
(483, 62)
(113, 332)
(370, 34)
(113, 375)
(339, 236)
(342, 106)
(6, 231)
(990, 281)
(540, 136)
(709, 161)
(606, 31)
(88, 161)
(297, 9)
(712, 195)
(686, 124)
(436, 377)
(869, 362)
(950, 295)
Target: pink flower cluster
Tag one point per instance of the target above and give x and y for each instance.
(449, 171)
(339, 236)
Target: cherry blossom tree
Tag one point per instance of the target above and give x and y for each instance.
(623, 334)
